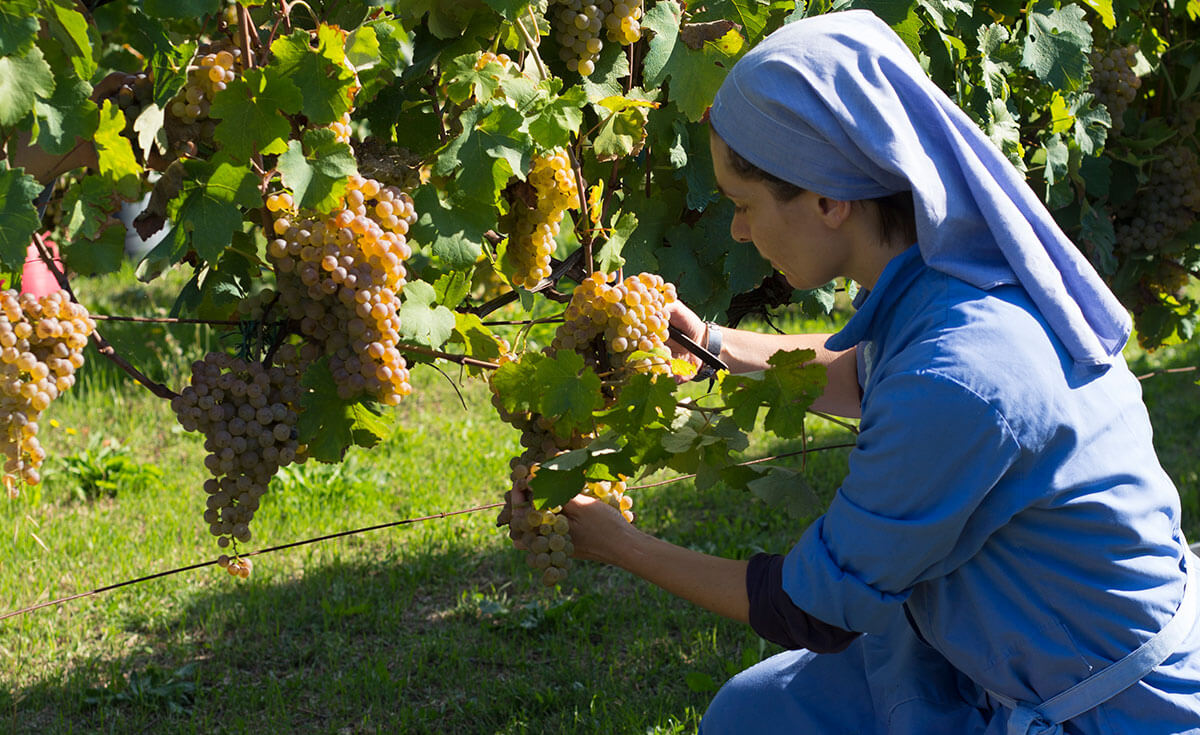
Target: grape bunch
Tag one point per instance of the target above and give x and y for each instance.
(630, 314)
(41, 347)
(1114, 82)
(339, 278)
(613, 493)
(237, 566)
(1166, 206)
(210, 75)
(342, 131)
(247, 412)
(579, 25)
(532, 230)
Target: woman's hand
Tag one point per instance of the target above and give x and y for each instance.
(692, 326)
(598, 530)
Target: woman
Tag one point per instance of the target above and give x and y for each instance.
(1004, 555)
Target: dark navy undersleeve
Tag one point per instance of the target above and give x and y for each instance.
(776, 618)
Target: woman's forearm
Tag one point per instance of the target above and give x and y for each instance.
(746, 351)
(711, 582)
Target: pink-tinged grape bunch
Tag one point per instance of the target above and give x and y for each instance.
(1165, 207)
(532, 230)
(237, 566)
(1114, 82)
(41, 347)
(212, 72)
(339, 278)
(247, 413)
(631, 315)
(579, 25)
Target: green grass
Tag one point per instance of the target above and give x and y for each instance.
(432, 627)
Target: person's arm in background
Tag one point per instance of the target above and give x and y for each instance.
(745, 351)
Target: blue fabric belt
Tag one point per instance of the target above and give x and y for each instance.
(1047, 718)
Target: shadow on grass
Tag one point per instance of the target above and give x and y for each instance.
(383, 639)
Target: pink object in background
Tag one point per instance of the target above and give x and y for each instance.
(36, 277)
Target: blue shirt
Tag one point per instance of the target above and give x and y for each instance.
(1016, 508)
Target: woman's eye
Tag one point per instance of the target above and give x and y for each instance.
(739, 208)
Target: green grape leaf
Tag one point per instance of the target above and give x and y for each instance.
(22, 80)
(444, 19)
(515, 383)
(316, 171)
(422, 319)
(329, 425)
(559, 119)
(746, 268)
(452, 288)
(87, 206)
(453, 232)
(118, 165)
(66, 115)
(1091, 124)
(786, 488)
(100, 255)
(491, 148)
(570, 392)
(608, 257)
(180, 8)
(1098, 238)
(1104, 9)
(18, 26)
(209, 213)
(645, 401)
(18, 216)
(1004, 132)
(250, 112)
(612, 66)
(786, 388)
(556, 487)
(362, 48)
(167, 61)
(999, 57)
(692, 262)
(943, 12)
(69, 28)
(476, 339)
(509, 9)
(1057, 43)
(620, 135)
(663, 19)
(463, 81)
(696, 75)
(320, 73)
(816, 301)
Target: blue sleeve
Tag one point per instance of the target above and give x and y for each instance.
(928, 452)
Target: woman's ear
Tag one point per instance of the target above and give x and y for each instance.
(834, 212)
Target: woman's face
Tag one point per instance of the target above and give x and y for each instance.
(794, 235)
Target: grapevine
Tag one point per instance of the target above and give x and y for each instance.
(361, 184)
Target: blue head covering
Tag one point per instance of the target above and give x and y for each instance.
(838, 105)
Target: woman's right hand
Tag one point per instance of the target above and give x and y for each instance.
(692, 326)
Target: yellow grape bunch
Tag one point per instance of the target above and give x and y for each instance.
(41, 347)
(579, 25)
(631, 315)
(212, 72)
(532, 230)
(339, 277)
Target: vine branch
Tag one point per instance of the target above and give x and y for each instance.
(102, 345)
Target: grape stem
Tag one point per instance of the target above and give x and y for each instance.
(102, 345)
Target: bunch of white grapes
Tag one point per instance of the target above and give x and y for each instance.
(339, 277)
(532, 230)
(41, 347)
